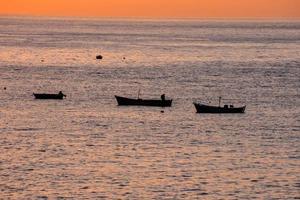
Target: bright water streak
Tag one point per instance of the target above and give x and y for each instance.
(88, 147)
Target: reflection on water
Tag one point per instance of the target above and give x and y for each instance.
(89, 148)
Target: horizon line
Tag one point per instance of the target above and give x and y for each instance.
(149, 18)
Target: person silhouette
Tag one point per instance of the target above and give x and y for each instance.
(61, 94)
(163, 97)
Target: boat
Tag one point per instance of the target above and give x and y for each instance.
(123, 101)
(60, 95)
(203, 108)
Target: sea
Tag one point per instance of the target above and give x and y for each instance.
(87, 147)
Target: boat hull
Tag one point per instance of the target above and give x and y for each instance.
(123, 101)
(48, 96)
(215, 109)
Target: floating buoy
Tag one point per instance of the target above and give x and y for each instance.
(162, 111)
(99, 57)
(4, 88)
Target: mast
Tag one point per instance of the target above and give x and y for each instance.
(139, 93)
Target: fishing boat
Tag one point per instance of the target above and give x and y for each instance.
(60, 95)
(123, 101)
(202, 108)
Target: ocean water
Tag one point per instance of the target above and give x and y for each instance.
(86, 147)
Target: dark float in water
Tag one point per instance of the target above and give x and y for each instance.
(60, 95)
(123, 101)
(99, 57)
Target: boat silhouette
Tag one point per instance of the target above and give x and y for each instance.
(124, 101)
(60, 95)
(203, 108)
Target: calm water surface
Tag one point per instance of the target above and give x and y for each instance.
(86, 147)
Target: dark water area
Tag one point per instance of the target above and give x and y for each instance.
(87, 147)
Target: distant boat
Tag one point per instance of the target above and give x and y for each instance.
(60, 95)
(123, 101)
(202, 108)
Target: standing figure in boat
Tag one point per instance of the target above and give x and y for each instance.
(163, 97)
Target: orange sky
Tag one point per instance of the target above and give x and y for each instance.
(154, 8)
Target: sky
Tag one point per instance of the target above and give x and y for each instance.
(154, 8)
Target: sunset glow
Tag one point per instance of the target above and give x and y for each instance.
(155, 8)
